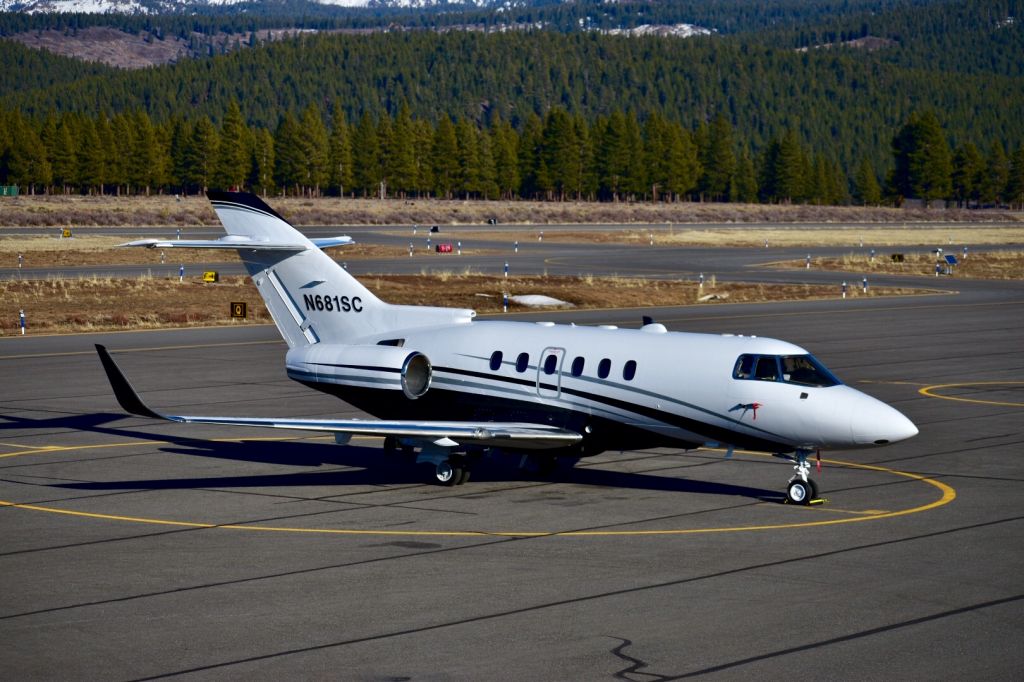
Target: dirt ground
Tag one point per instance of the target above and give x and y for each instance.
(100, 304)
(977, 265)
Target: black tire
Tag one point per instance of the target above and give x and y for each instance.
(449, 473)
(800, 492)
(465, 476)
(814, 489)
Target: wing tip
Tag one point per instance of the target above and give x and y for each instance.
(126, 396)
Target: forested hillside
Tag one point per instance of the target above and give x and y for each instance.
(832, 111)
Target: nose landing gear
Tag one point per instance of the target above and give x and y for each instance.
(801, 488)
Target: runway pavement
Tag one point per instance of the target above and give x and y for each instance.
(136, 549)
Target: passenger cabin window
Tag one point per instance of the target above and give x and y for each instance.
(577, 366)
(629, 370)
(802, 370)
(604, 368)
(496, 360)
(550, 364)
(522, 362)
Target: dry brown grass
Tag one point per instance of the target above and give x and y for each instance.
(844, 235)
(977, 265)
(98, 304)
(42, 252)
(63, 211)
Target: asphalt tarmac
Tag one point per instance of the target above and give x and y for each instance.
(137, 549)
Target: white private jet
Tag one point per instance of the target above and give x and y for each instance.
(450, 387)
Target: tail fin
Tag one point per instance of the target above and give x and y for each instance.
(310, 296)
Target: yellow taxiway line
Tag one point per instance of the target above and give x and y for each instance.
(948, 494)
(932, 392)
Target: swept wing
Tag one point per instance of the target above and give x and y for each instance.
(499, 434)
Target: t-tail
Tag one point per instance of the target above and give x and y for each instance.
(311, 298)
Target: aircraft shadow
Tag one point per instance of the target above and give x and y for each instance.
(371, 466)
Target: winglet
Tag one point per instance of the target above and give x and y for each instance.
(123, 391)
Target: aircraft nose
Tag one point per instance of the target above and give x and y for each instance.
(875, 423)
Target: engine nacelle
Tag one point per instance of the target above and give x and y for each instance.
(381, 367)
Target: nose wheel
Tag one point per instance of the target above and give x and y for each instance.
(801, 488)
(801, 492)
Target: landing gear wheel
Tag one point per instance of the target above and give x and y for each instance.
(801, 491)
(465, 475)
(390, 445)
(446, 473)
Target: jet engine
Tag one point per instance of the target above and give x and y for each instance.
(387, 367)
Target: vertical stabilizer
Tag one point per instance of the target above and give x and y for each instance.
(311, 298)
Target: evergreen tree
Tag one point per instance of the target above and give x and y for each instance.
(588, 172)
(402, 157)
(923, 167)
(27, 165)
(684, 165)
(931, 165)
(261, 164)
(506, 160)
(201, 155)
(145, 161)
(488, 174)
(615, 153)
(234, 154)
(180, 143)
(635, 181)
(968, 174)
(339, 155)
(386, 142)
(997, 174)
(529, 155)
(445, 167)
(790, 173)
(560, 154)
(719, 161)
(657, 155)
(366, 165)
(866, 189)
(424, 146)
(468, 156)
(91, 164)
(313, 145)
(745, 185)
(121, 168)
(108, 149)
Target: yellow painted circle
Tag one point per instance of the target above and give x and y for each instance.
(948, 494)
(936, 392)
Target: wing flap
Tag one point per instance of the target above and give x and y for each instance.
(500, 434)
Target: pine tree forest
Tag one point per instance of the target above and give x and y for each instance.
(936, 113)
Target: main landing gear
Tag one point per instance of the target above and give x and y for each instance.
(450, 468)
(452, 471)
(801, 488)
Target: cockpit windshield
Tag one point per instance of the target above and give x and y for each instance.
(802, 370)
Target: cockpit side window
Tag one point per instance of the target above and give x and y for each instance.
(744, 367)
(802, 370)
(805, 370)
(767, 368)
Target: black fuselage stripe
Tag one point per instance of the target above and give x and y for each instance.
(696, 426)
(693, 425)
